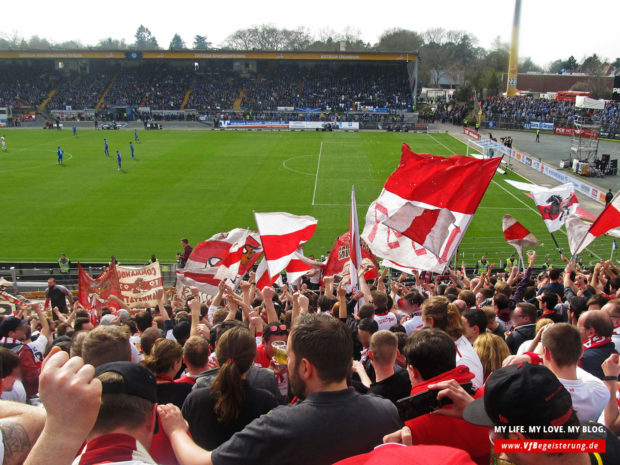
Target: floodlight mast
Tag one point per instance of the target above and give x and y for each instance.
(513, 63)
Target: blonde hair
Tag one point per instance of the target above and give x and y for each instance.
(492, 351)
(542, 323)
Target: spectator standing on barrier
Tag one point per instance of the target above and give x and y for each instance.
(187, 250)
(64, 265)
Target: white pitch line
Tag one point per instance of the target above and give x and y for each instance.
(316, 176)
(294, 170)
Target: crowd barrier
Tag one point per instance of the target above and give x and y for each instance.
(287, 125)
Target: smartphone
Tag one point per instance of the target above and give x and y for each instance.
(423, 403)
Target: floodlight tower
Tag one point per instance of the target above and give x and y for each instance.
(513, 62)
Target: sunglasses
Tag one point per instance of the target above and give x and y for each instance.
(277, 329)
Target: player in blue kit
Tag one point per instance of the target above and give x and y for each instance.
(135, 136)
(74, 130)
(131, 147)
(105, 147)
(118, 159)
(60, 152)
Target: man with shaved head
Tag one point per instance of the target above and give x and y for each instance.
(613, 310)
(596, 330)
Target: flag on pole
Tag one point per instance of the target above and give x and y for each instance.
(355, 252)
(517, 235)
(281, 234)
(576, 230)
(606, 221)
(429, 201)
(556, 204)
(234, 251)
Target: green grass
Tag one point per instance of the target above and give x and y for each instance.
(197, 183)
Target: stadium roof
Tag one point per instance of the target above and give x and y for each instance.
(206, 55)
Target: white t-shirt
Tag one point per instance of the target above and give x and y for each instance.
(38, 347)
(589, 394)
(414, 323)
(467, 356)
(615, 337)
(17, 394)
(386, 321)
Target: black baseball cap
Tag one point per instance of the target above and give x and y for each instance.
(10, 323)
(137, 380)
(521, 395)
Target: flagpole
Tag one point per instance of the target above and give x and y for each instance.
(556, 245)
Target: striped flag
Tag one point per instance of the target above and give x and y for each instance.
(281, 235)
(517, 235)
(299, 266)
(606, 221)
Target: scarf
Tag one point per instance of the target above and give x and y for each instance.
(112, 448)
(595, 341)
(460, 374)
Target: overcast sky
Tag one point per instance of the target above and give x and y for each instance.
(550, 29)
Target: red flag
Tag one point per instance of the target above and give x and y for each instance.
(281, 235)
(262, 276)
(425, 208)
(338, 262)
(94, 293)
(606, 221)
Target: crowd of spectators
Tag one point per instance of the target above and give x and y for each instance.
(524, 109)
(316, 374)
(160, 87)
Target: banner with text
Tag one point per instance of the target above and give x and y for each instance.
(139, 285)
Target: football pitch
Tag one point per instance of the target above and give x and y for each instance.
(196, 183)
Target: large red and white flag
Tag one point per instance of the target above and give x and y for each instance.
(234, 251)
(425, 208)
(281, 235)
(556, 204)
(606, 221)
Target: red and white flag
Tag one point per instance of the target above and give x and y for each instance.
(95, 293)
(425, 208)
(606, 221)
(300, 266)
(517, 235)
(234, 251)
(281, 235)
(262, 276)
(556, 204)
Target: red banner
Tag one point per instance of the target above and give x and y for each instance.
(95, 293)
(565, 131)
(471, 133)
(338, 260)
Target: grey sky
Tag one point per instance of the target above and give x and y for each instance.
(550, 29)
